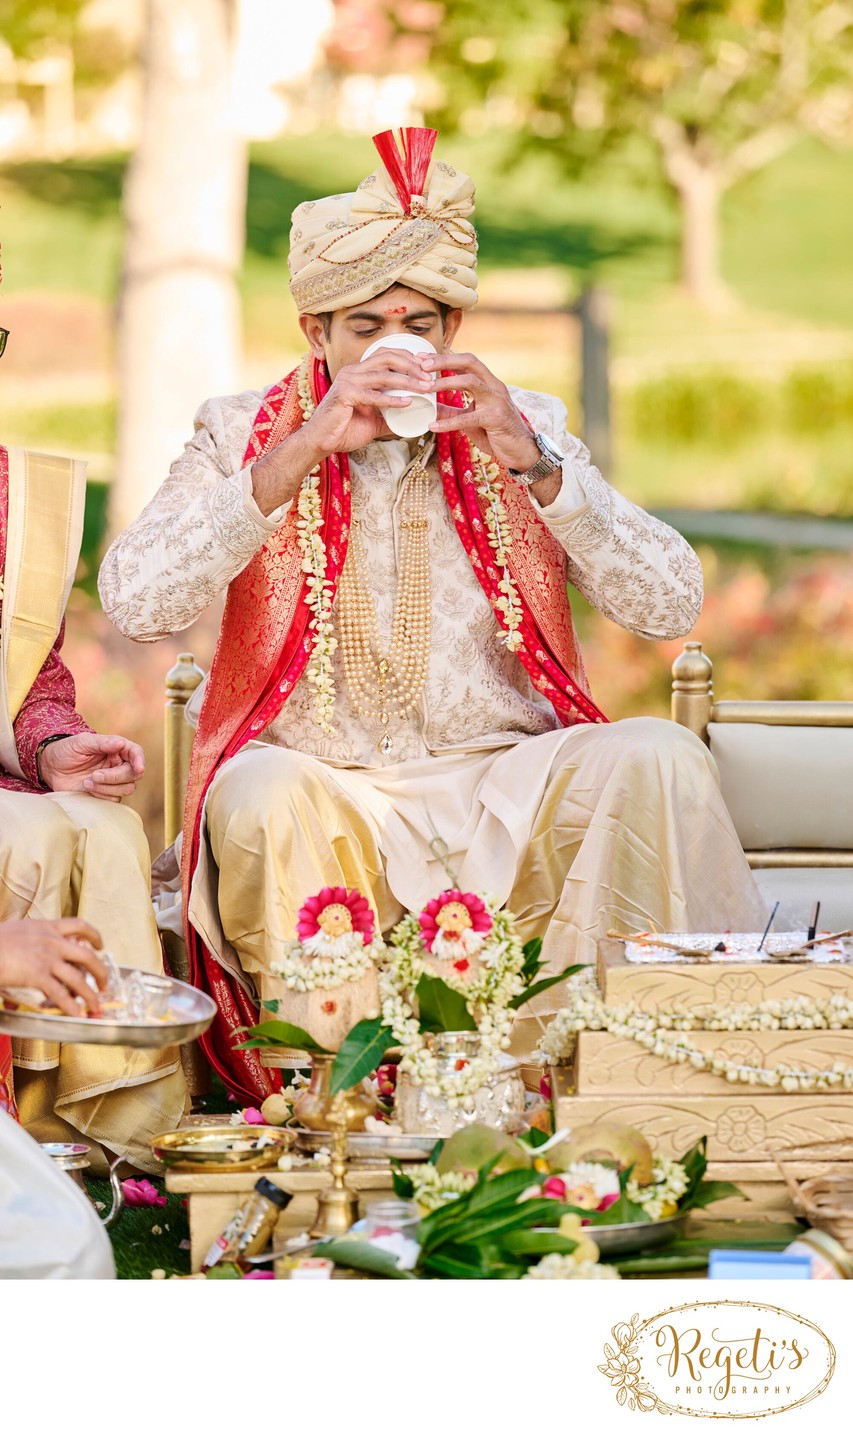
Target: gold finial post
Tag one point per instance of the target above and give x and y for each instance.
(337, 1205)
(692, 690)
(182, 680)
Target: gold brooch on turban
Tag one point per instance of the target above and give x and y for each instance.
(406, 224)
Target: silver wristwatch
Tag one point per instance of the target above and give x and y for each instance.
(551, 460)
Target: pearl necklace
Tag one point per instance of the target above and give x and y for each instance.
(385, 685)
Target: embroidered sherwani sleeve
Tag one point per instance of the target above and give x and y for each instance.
(48, 709)
(198, 532)
(632, 567)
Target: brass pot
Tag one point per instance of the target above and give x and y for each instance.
(311, 1109)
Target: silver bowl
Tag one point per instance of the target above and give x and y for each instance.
(190, 1012)
(619, 1237)
(371, 1148)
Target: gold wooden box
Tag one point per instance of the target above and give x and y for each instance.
(722, 985)
(608, 1066)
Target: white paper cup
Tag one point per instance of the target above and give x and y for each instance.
(415, 419)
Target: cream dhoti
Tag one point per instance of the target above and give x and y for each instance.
(64, 854)
(576, 830)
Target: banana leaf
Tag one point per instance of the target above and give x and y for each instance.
(362, 1050)
(361, 1256)
(441, 1009)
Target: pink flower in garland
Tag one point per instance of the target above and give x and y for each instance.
(454, 925)
(334, 922)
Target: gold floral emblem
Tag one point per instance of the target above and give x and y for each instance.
(623, 1370)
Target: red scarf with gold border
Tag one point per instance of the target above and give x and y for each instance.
(265, 644)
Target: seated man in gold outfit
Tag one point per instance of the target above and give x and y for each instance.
(397, 689)
(67, 847)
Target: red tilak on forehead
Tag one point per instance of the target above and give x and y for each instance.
(399, 309)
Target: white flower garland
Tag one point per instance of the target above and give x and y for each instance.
(658, 1033)
(660, 1198)
(319, 596)
(500, 540)
(557, 1265)
(433, 1189)
(486, 998)
(303, 975)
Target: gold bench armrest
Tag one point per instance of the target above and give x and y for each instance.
(182, 680)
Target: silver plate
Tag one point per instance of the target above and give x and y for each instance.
(69, 1156)
(372, 1147)
(193, 1014)
(634, 1236)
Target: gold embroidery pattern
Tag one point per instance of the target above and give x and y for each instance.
(391, 257)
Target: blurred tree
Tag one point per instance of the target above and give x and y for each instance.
(28, 26)
(720, 87)
(184, 207)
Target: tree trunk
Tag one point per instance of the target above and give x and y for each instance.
(184, 208)
(698, 191)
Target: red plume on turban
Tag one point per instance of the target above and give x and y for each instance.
(407, 160)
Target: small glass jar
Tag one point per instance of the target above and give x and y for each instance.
(391, 1215)
(828, 1258)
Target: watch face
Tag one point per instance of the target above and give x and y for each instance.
(549, 449)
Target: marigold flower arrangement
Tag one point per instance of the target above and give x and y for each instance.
(336, 942)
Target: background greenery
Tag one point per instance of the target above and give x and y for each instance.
(746, 407)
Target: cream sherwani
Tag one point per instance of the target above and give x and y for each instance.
(576, 828)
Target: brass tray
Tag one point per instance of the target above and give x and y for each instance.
(371, 1148)
(210, 1150)
(192, 1013)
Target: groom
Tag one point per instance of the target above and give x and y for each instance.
(397, 674)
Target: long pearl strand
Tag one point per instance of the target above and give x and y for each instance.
(386, 686)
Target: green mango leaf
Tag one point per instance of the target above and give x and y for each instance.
(401, 1182)
(709, 1192)
(361, 1256)
(623, 1210)
(544, 984)
(695, 1164)
(537, 1244)
(362, 1050)
(271, 1005)
(536, 1212)
(448, 1263)
(532, 960)
(458, 1260)
(276, 1034)
(441, 1009)
(534, 1138)
(506, 1187)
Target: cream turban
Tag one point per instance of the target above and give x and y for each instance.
(348, 248)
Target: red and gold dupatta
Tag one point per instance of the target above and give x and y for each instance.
(7, 1091)
(265, 644)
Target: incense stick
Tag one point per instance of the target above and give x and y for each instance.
(769, 925)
